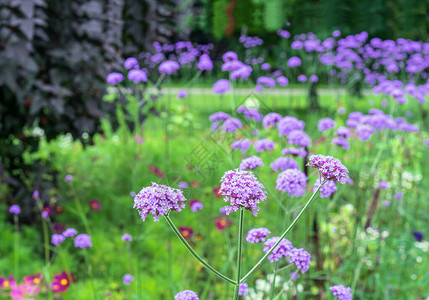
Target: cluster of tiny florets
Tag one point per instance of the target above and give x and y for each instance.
(158, 200)
(292, 181)
(257, 235)
(341, 292)
(329, 167)
(242, 189)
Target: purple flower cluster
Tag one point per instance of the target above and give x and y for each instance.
(70, 232)
(271, 119)
(267, 81)
(57, 239)
(292, 181)
(257, 235)
(218, 116)
(195, 205)
(326, 190)
(244, 145)
(282, 81)
(299, 138)
(158, 200)
(251, 163)
(126, 237)
(280, 251)
(15, 209)
(301, 258)
(295, 152)
(205, 63)
(114, 78)
(383, 185)
(231, 125)
(127, 278)
(221, 86)
(263, 144)
(186, 295)
(294, 61)
(340, 141)
(343, 132)
(329, 167)
(289, 124)
(341, 292)
(242, 289)
(136, 76)
(82, 241)
(325, 124)
(283, 163)
(168, 67)
(242, 189)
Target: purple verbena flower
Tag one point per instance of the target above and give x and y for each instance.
(282, 81)
(218, 116)
(205, 63)
(341, 292)
(130, 63)
(343, 132)
(301, 258)
(158, 200)
(263, 144)
(295, 152)
(221, 86)
(195, 205)
(291, 181)
(242, 289)
(329, 167)
(168, 67)
(136, 76)
(289, 124)
(267, 81)
(257, 235)
(398, 195)
(186, 295)
(244, 145)
(126, 237)
(383, 185)
(182, 94)
(229, 56)
(127, 278)
(251, 163)
(183, 185)
(15, 209)
(302, 78)
(294, 61)
(283, 163)
(242, 189)
(231, 125)
(299, 138)
(326, 190)
(280, 251)
(68, 178)
(82, 241)
(57, 239)
(271, 119)
(340, 141)
(70, 232)
(325, 124)
(114, 78)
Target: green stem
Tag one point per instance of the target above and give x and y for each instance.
(16, 257)
(239, 252)
(273, 284)
(283, 235)
(46, 240)
(185, 243)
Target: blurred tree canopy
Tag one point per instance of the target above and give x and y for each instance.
(386, 19)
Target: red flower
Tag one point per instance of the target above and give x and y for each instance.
(95, 204)
(195, 184)
(33, 279)
(186, 232)
(216, 192)
(61, 282)
(156, 171)
(222, 222)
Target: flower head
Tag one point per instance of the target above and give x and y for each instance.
(251, 162)
(301, 258)
(182, 94)
(329, 167)
(114, 78)
(340, 141)
(130, 63)
(183, 185)
(283, 163)
(186, 232)
(82, 241)
(136, 75)
(263, 144)
(95, 204)
(15, 209)
(221, 86)
(242, 189)
(195, 205)
(299, 138)
(168, 67)
(292, 181)
(257, 235)
(325, 124)
(61, 282)
(126, 237)
(231, 125)
(271, 119)
(326, 190)
(205, 63)
(70, 232)
(280, 251)
(244, 145)
(68, 178)
(242, 289)
(295, 152)
(383, 185)
(341, 292)
(186, 295)
(127, 278)
(57, 239)
(158, 200)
